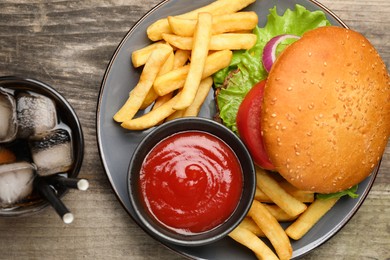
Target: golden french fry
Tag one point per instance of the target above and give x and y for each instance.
(241, 21)
(153, 117)
(278, 213)
(277, 194)
(168, 64)
(175, 79)
(272, 229)
(261, 196)
(199, 53)
(162, 100)
(152, 95)
(203, 90)
(148, 75)
(155, 30)
(254, 243)
(250, 225)
(310, 217)
(172, 80)
(181, 58)
(301, 195)
(139, 57)
(224, 41)
(233, 41)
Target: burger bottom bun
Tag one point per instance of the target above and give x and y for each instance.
(326, 110)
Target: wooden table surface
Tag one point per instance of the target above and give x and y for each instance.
(68, 45)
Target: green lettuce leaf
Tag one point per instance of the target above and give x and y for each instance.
(350, 192)
(249, 62)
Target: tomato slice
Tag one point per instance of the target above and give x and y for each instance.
(249, 125)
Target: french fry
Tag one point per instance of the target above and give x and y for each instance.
(148, 75)
(199, 53)
(310, 217)
(171, 81)
(139, 57)
(250, 225)
(168, 64)
(254, 243)
(175, 79)
(278, 195)
(155, 30)
(203, 90)
(272, 229)
(301, 195)
(153, 117)
(261, 196)
(181, 58)
(152, 95)
(240, 21)
(278, 213)
(224, 41)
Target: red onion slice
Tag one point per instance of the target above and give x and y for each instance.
(269, 52)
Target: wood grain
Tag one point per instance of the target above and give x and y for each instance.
(68, 45)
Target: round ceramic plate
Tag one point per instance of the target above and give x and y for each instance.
(116, 145)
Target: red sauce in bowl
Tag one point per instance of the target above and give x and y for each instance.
(191, 182)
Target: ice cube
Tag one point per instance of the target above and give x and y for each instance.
(52, 151)
(16, 182)
(8, 122)
(36, 113)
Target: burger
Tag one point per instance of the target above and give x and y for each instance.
(326, 118)
(321, 116)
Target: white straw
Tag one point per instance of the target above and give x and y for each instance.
(82, 184)
(68, 218)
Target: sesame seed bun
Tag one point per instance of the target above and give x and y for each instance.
(326, 110)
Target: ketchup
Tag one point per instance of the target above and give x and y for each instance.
(191, 182)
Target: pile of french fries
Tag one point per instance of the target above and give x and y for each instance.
(176, 77)
(178, 65)
(277, 201)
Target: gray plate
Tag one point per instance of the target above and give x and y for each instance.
(116, 145)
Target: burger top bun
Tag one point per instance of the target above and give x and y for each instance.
(326, 110)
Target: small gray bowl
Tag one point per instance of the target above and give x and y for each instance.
(149, 223)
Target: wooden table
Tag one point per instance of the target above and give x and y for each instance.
(68, 45)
